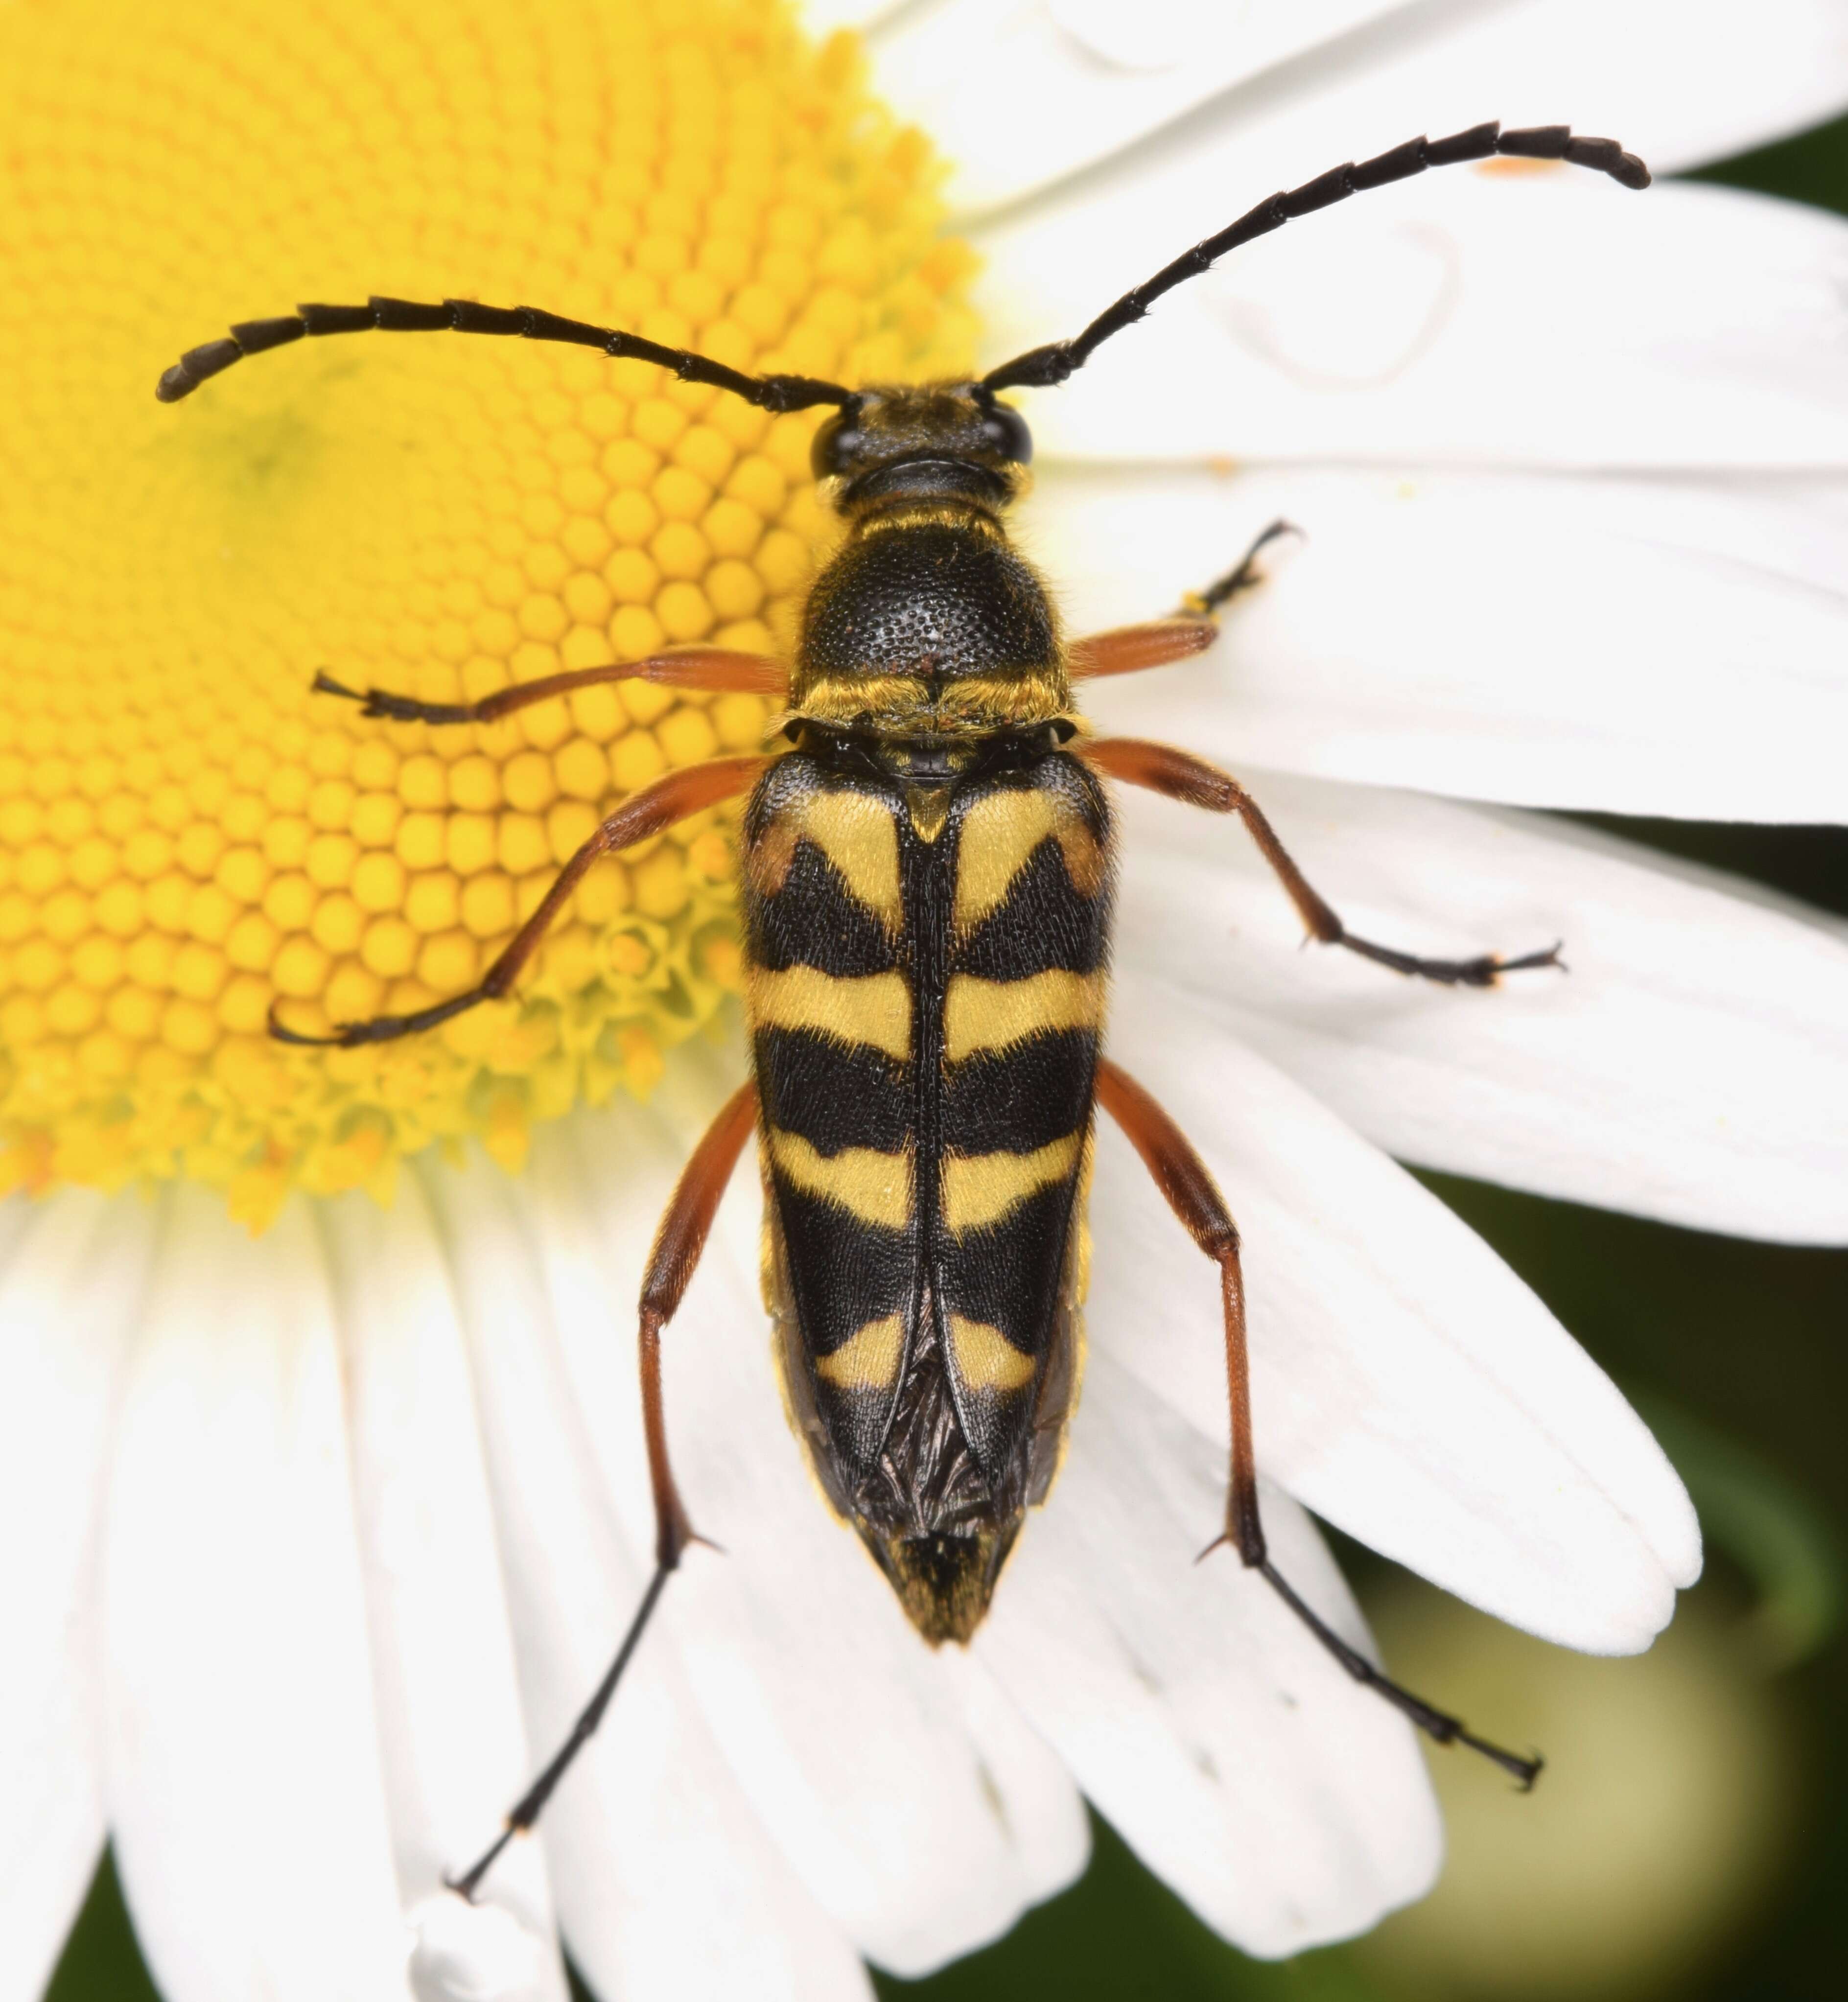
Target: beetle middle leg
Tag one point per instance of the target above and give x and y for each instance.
(1180, 776)
(1190, 1191)
(642, 813)
(671, 1263)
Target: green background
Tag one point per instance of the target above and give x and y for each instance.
(1736, 1348)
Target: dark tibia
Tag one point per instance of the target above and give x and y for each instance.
(395, 708)
(527, 1809)
(1435, 1724)
(1483, 971)
(383, 1028)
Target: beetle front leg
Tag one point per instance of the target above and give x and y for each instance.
(715, 669)
(1178, 775)
(1127, 649)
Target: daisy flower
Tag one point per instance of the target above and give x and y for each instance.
(321, 1469)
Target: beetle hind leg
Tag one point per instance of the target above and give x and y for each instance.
(672, 1264)
(1482, 970)
(1437, 1725)
(1182, 1177)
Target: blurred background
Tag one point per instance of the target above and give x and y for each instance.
(1690, 1839)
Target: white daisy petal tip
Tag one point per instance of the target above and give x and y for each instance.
(464, 1952)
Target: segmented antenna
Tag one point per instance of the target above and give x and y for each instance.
(1041, 367)
(775, 393)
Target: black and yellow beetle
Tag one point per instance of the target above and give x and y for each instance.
(927, 871)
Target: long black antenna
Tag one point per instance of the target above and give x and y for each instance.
(1041, 367)
(776, 393)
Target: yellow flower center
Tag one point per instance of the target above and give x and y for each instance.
(186, 833)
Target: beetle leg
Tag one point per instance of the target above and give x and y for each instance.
(1126, 650)
(1189, 1189)
(671, 1262)
(1246, 574)
(642, 813)
(1180, 776)
(713, 668)
(678, 1244)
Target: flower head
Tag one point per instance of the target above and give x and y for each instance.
(326, 1532)
(192, 835)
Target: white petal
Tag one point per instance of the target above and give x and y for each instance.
(1017, 96)
(1643, 647)
(1287, 1805)
(455, 1752)
(242, 1758)
(68, 1296)
(1016, 104)
(821, 18)
(922, 1814)
(666, 1883)
(479, 1953)
(1461, 318)
(1405, 1384)
(1691, 1066)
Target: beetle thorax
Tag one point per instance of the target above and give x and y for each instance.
(927, 621)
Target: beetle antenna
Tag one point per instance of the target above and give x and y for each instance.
(1041, 367)
(775, 393)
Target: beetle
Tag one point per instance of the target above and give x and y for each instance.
(927, 863)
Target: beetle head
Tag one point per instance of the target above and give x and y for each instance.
(923, 441)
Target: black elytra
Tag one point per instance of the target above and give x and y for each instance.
(927, 863)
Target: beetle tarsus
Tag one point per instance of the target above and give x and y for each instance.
(1485, 970)
(1245, 575)
(1437, 1725)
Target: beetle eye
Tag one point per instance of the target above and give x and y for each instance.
(1005, 430)
(838, 443)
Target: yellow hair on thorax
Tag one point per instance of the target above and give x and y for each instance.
(914, 706)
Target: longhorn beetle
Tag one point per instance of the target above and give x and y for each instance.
(927, 875)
